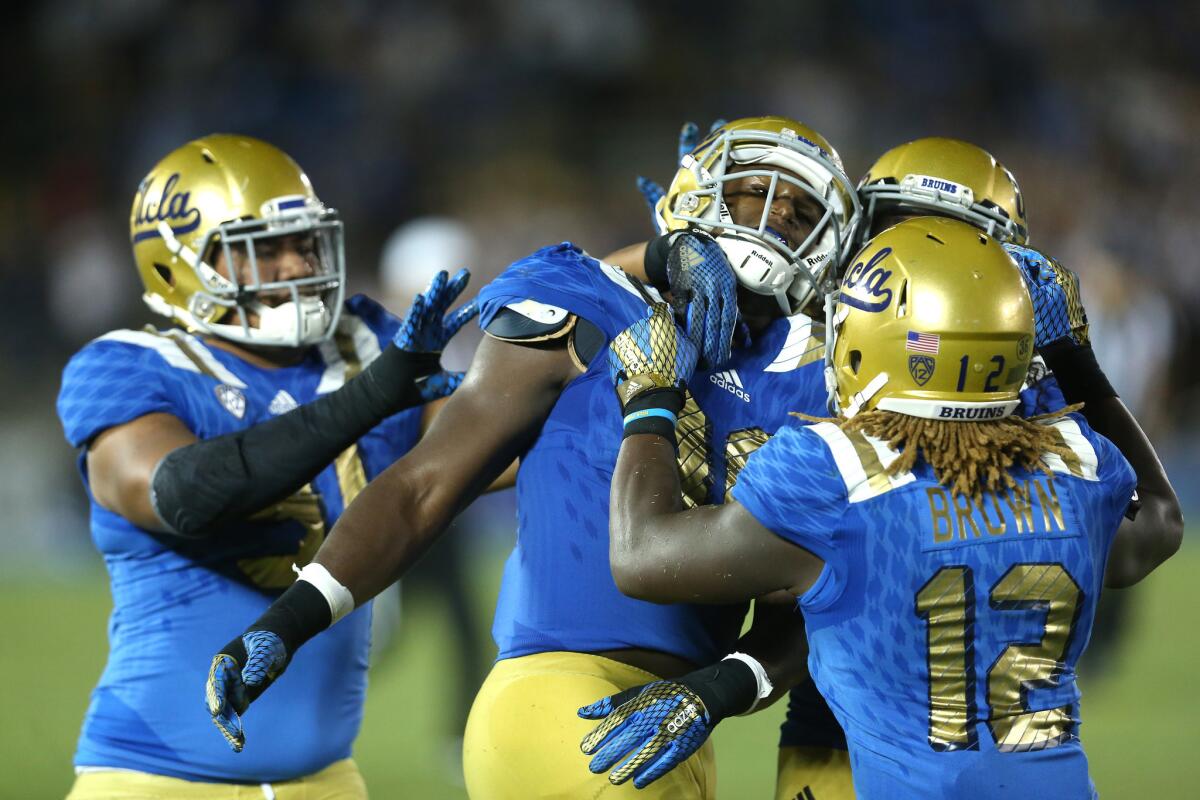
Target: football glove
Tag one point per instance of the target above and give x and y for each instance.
(689, 138)
(652, 193)
(248, 665)
(239, 673)
(651, 354)
(660, 724)
(427, 328)
(704, 294)
(1058, 312)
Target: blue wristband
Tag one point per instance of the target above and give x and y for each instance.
(650, 412)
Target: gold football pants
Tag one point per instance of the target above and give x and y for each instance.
(339, 781)
(522, 739)
(813, 773)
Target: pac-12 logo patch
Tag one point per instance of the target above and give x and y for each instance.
(921, 368)
(232, 398)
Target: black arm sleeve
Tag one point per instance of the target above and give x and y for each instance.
(197, 488)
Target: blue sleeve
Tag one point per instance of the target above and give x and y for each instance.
(382, 322)
(1113, 471)
(109, 383)
(561, 275)
(792, 486)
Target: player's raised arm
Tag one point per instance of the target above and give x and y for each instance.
(1153, 529)
(650, 362)
(661, 553)
(488, 421)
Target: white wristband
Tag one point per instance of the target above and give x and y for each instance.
(765, 687)
(341, 602)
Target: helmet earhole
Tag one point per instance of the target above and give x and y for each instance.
(855, 360)
(165, 273)
(902, 306)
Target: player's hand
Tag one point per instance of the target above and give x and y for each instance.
(649, 729)
(239, 673)
(652, 193)
(651, 354)
(1058, 311)
(704, 294)
(689, 139)
(427, 328)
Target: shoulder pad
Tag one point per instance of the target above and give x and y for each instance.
(530, 321)
(587, 340)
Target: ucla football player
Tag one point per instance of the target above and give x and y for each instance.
(218, 452)
(773, 193)
(947, 554)
(932, 176)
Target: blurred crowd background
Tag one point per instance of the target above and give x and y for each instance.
(469, 132)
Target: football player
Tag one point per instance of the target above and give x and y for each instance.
(947, 554)
(775, 192)
(935, 176)
(218, 452)
(931, 176)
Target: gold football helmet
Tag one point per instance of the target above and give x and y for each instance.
(947, 177)
(231, 192)
(762, 261)
(932, 320)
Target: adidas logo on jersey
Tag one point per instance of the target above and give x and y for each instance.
(730, 381)
(282, 403)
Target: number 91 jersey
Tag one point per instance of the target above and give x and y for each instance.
(943, 633)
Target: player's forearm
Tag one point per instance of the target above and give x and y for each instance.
(777, 640)
(1155, 533)
(198, 488)
(380, 535)
(644, 505)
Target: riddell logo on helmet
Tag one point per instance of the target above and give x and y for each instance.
(731, 382)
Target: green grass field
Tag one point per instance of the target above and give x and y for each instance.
(1140, 712)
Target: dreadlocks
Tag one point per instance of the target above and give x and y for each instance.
(968, 457)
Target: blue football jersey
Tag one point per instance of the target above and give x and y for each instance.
(558, 592)
(943, 634)
(173, 601)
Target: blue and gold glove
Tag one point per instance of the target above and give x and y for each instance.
(427, 328)
(246, 666)
(651, 354)
(704, 294)
(657, 726)
(689, 139)
(238, 675)
(652, 193)
(1061, 327)
(1057, 308)
(650, 363)
(693, 268)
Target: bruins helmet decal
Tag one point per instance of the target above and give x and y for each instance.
(782, 150)
(932, 320)
(226, 195)
(947, 177)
